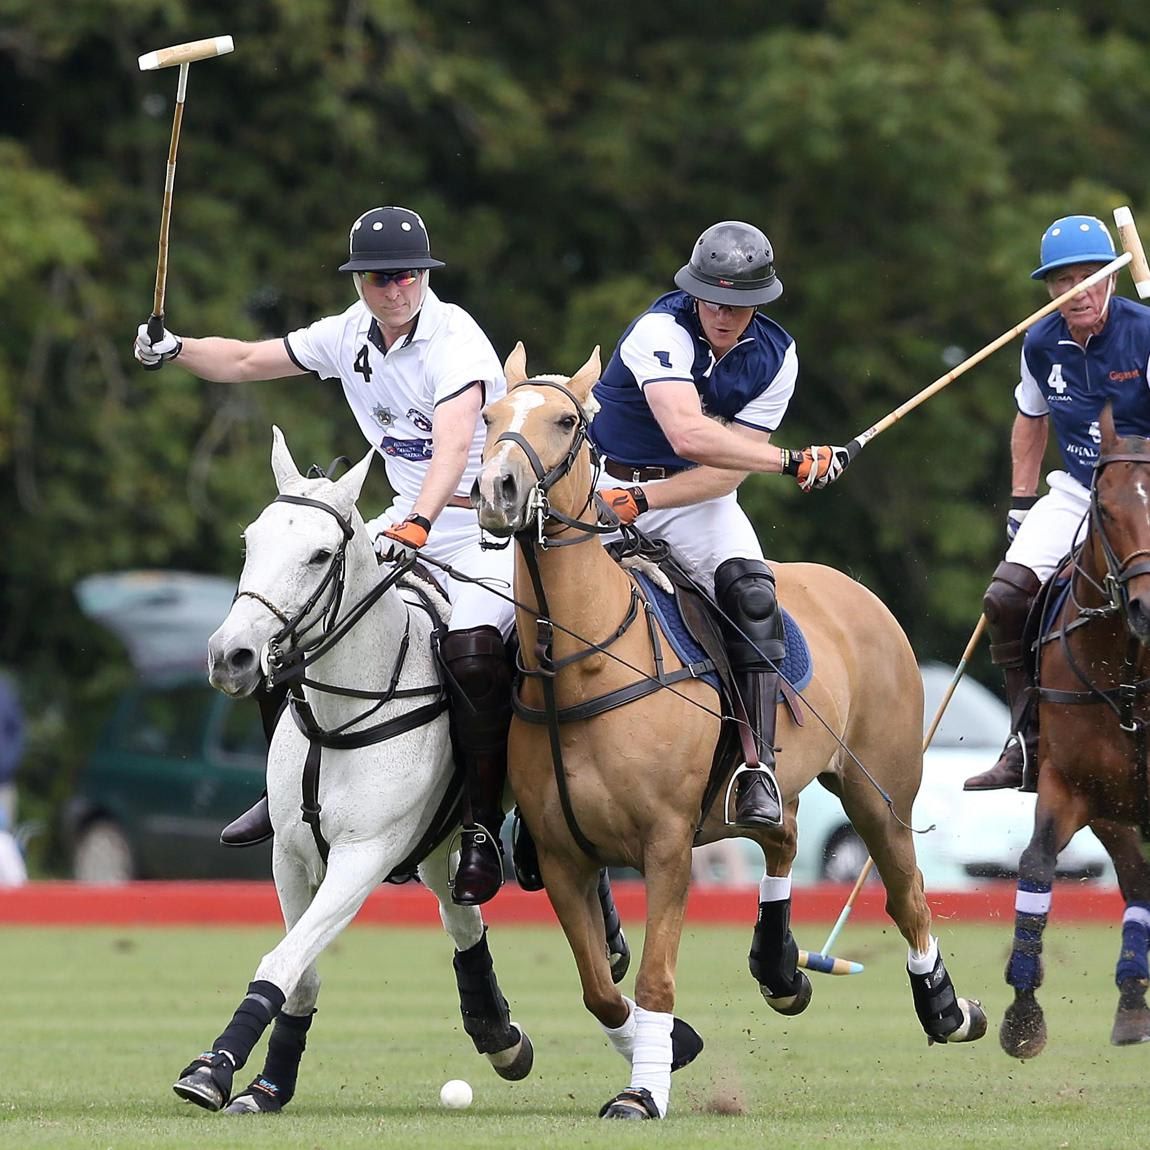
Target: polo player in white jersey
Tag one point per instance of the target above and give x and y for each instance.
(416, 372)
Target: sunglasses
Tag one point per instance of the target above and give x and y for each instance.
(401, 279)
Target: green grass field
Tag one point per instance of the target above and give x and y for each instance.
(97, 1023)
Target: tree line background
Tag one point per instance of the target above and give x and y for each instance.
(903, 157)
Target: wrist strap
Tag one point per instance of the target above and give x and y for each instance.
(419, 521)
(1022, 502)
(640, 497)
(790, 461)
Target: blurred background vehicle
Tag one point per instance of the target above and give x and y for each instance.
(176, 760)
(976, 835)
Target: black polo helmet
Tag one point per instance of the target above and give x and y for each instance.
(389, 239)
(732, 263)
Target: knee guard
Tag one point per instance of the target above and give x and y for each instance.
(479, 682)
(1006, 605)
(745, 590)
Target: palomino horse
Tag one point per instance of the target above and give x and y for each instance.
(628, 786)
(1093, 680)
(371, 763)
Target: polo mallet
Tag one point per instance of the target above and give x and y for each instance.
(1132, 245)
(860, 441)
(845, 913)
(183, 55)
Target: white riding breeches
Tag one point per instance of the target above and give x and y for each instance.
(1052, 526)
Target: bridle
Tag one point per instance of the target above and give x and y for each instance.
(1114, 587)
(287, 655)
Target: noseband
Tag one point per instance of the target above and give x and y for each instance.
(539, 508)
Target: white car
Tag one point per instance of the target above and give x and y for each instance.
(978, 835)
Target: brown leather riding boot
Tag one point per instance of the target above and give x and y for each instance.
(1006, 606)
(255, 824)
(758, 802)
(479, 682)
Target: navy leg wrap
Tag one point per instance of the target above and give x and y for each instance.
(486, 1015)
(263, 1002)
(1135, 943)
(285, 1049)
(1024, 970)
(774, 957)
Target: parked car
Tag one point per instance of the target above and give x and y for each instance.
(176, 760)
(977, 835)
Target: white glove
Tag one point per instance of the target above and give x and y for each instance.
(154, 354)
(1019, 506)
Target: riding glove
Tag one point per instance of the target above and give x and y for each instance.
(156, 354)
(815, 467)
(401, 541)
(625, 503)
(1019, 506)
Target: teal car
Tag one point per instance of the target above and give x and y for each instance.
(175, 760)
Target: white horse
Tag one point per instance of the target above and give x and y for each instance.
(362, 752)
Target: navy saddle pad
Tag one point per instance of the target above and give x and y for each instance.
(796, 667)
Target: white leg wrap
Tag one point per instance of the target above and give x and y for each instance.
(651, 1061)
(774, 889)
(622, 1038)
(923, 963)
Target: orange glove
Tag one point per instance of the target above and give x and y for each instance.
(402, 540)
(625, 503)
(815, 466)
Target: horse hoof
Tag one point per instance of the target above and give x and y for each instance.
(261, 1097)
(514, 1062)
(619, 956)
(1023, 1031)
(974, 1022)
(791, 1003)
(686, 1044)
(246, 1104)
(635, 1103)
(202, 1089)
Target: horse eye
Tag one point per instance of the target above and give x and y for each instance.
(320, 557)
(567, 422)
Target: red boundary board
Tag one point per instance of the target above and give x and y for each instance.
(254, 904)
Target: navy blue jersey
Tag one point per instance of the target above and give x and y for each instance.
(1073, 383)
(751, 384)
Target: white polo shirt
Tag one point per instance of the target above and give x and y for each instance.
(393, 394)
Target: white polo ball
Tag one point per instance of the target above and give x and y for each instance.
(455, 1095)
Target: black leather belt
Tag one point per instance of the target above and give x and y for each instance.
(638, 474)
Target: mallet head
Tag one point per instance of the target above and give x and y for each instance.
(1139, 270)
(187, 53)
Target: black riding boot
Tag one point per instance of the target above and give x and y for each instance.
(255, 824)
(479, 681)
(1006, 606)
(745, 590)
(757, 799)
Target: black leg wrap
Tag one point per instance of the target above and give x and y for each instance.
(935, 1002)
(774, 957)
(263, 1002)
(281, 1067)
(618, 952)
(486, 1015)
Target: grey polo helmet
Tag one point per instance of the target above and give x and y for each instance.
(732, 263)
(389, 239)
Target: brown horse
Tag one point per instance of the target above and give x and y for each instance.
(629, 785)
(1093, 669)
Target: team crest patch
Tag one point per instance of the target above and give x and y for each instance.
(383, 415)
(420, 420)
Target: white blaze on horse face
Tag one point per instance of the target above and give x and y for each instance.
(522, 403)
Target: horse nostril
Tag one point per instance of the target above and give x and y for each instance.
(241, 659)
(507, 489)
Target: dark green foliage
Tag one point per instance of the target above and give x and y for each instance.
(904, 158)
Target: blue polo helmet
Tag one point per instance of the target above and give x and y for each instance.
(1074, 240)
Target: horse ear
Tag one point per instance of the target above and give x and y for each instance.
(283, 466)
(351, 484)
(515, 369)
(1106, 427)
(581, 383)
